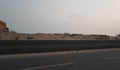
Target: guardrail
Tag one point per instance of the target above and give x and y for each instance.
(30, 46)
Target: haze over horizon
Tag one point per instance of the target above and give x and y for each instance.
(59, 16)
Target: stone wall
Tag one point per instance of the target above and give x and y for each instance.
(2, 26)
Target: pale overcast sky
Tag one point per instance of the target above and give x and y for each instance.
(59, 16)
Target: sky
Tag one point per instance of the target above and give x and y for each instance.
(60, 16)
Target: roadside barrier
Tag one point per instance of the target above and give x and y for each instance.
(31, 46)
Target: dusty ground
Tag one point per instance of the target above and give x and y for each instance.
(42, 36)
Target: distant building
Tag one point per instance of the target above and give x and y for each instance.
(2, 26)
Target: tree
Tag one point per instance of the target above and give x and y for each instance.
(7, 29)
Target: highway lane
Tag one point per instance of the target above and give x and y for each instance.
(103, 59)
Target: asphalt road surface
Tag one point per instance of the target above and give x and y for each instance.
(103, 59)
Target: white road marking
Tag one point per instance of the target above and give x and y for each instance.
(63, 64)
(111, 58)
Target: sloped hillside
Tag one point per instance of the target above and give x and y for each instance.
(42, 36)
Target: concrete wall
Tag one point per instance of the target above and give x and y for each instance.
(29, 46)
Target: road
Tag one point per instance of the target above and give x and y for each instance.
(103, 59)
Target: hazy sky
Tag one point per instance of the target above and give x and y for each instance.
(59, 16)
